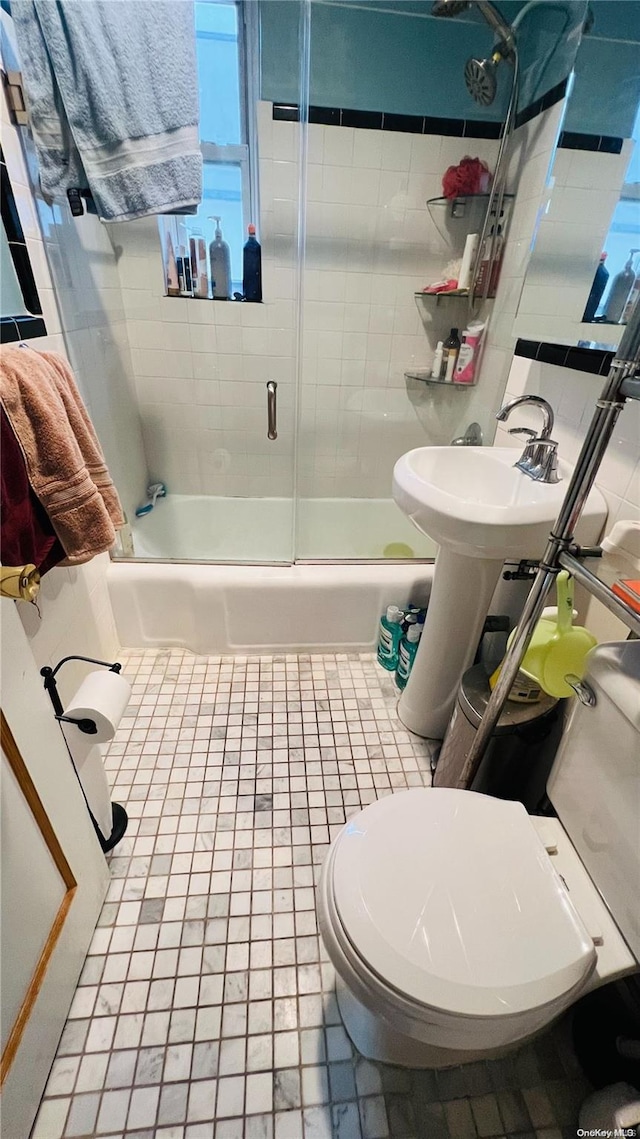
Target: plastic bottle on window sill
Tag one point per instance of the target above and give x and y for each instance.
(198, 257)
(173, 284)
(220, 264)
(252, 267)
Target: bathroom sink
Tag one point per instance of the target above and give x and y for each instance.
(475, 502)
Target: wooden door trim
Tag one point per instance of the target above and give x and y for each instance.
(27, 786)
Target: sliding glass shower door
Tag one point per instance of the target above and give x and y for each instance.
(214, 368)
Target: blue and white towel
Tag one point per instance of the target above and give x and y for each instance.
(112, 90)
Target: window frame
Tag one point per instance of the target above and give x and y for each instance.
(243, 154)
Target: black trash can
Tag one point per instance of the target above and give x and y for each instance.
(521, 751)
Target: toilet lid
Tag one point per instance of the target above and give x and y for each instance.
(451, 898)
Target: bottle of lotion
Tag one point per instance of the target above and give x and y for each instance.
(468, 358)
(436, 369)
(220, 263)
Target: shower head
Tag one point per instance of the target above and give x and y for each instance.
(480, 78)
(449, 7)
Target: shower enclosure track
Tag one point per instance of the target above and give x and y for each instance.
(621, 384)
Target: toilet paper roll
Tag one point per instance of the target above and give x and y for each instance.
(102, 697)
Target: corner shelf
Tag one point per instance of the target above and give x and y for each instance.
(459, 203)
(425, 377)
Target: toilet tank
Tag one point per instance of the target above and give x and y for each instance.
(595, 782)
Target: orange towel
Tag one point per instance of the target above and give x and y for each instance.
(64, 459)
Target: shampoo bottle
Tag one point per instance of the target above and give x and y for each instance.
(252, 267)
(220, 263)
(198, 256)
(389, 637)
(450, 350)
(407, 654)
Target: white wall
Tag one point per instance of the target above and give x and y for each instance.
(201, 367)
(584, 191)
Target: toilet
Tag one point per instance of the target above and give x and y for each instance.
(459, 926)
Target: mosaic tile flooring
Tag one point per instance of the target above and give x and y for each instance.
(205, 1009)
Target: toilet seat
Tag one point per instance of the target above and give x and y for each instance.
(450, 898)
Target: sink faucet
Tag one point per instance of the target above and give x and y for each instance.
(539, 460)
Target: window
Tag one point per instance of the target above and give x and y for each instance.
(225, 38)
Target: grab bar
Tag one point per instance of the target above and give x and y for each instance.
(272, 410)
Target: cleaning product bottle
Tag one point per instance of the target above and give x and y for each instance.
(450, 350)
(252, 267)
(597, 289)
(220, 262)
(469, 355)
(622, 285)
(407, 653)
(436, 367)
(389, 637)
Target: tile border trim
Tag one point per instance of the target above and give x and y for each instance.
(597, 361)
(382, 120)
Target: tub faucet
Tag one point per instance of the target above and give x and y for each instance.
(471, 438)
(539, 460)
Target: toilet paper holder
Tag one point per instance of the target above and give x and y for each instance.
(85, 725)
(90, 728)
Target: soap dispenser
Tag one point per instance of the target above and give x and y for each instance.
(220, 262)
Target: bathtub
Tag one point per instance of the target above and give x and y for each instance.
(184, 600)
(259, 609)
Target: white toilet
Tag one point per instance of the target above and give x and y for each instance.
(459, 926)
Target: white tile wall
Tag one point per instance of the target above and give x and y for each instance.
(201, 368)
(74, 613)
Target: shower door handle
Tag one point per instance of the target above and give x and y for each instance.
(272, 410)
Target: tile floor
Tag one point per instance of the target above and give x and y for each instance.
(205, 1009)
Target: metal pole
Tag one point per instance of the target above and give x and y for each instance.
(608, 408)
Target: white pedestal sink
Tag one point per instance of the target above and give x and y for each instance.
(481, 511)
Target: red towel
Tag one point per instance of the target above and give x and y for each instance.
(27, 535)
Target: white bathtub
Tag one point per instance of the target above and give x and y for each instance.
(211, 528)
(259, 609)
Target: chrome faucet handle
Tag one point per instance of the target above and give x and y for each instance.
(539, 460)
(523, 431)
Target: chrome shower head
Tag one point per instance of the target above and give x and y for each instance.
(449, 7)
(480, 78)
